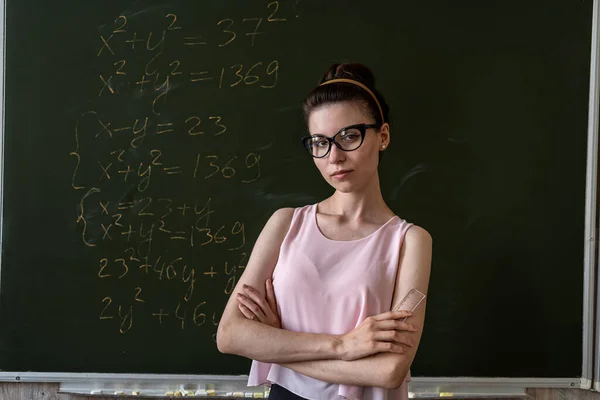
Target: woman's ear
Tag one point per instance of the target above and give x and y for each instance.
(385, 136)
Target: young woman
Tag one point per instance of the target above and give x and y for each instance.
(312, 307)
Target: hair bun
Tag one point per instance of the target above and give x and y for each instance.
(355, 71)
(373, 102)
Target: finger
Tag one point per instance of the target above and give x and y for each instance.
(394, 336)
(257, 297)
(265, 314)
(394, 324)
(393, 315)
(271, 296)
(390, 347)
(246, 311)
(252, 306)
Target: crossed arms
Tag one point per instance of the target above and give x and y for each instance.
(378, 352)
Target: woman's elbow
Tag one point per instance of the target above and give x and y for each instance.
(396, 375)
(224, 339)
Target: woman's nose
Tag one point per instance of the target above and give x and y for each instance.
(336, 155)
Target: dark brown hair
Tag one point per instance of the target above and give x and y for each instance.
(341, 92)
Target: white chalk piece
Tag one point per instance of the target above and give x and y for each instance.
(200, 392)
(96, 392)
(249, 395)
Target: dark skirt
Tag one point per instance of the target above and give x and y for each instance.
(281, 393)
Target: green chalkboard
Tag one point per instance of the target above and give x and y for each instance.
(146, 143)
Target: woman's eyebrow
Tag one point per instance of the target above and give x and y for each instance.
(346, 127)
(322, 134)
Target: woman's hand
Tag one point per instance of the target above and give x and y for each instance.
(256, 307)
(382, 333)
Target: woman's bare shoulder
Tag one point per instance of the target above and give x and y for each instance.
(280, 221)
(418, 236)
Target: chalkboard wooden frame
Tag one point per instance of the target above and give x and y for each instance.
(81, 383)
(590, 316)
(593, 128)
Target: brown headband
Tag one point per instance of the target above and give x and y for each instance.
(352, 81)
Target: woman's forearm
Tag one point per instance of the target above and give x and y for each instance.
(255, 340)
(314, 355)
(381, 370)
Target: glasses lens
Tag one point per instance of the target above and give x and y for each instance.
(350, 139)
(317, 145)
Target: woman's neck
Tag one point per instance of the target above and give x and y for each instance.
(361, 205)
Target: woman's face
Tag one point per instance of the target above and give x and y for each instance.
(348, 171)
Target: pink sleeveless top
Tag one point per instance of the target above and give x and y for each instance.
(330, 286)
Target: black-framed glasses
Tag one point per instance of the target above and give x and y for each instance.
(349, 138)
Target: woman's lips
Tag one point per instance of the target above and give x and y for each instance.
(340, 175)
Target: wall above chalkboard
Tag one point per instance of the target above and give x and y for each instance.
(146, 144)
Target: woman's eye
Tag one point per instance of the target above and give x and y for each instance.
(320, 143)
(350, 137)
